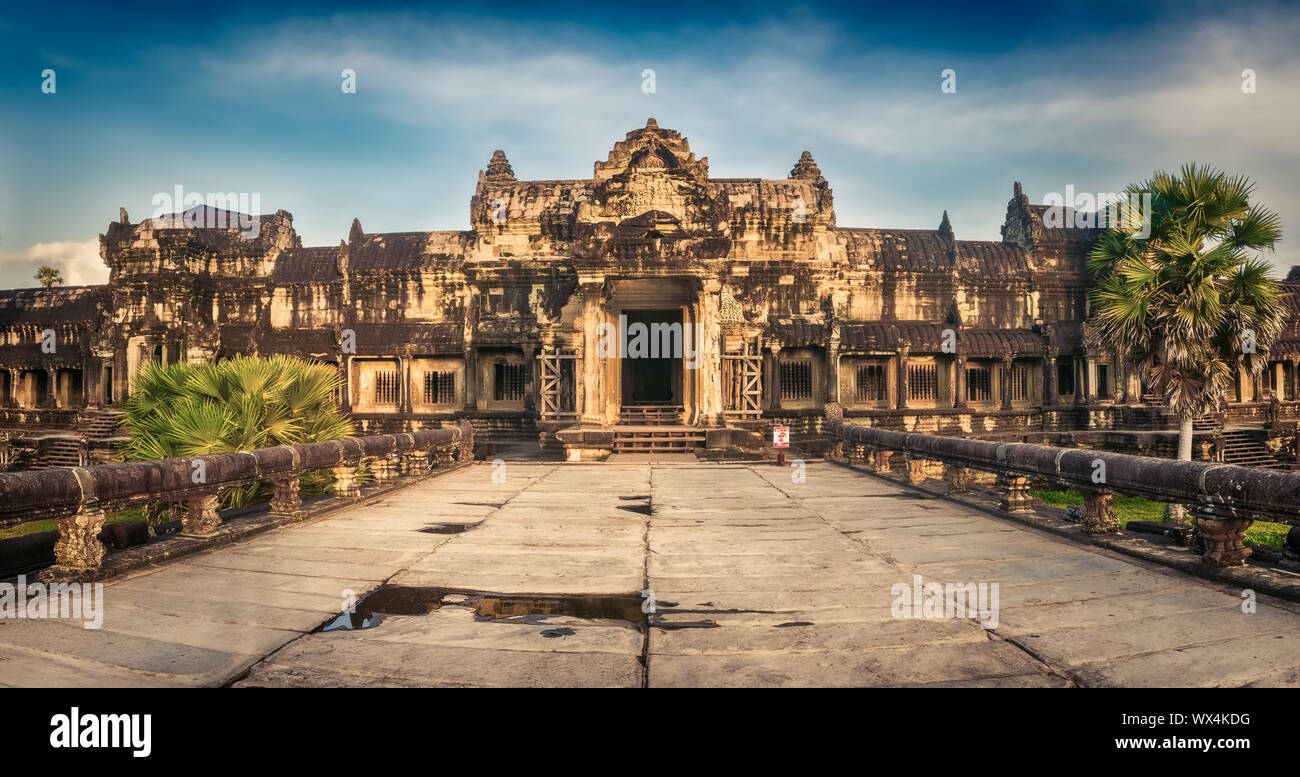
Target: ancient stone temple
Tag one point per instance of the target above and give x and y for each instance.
(585, 312)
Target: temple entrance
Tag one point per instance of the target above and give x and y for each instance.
(652, 365)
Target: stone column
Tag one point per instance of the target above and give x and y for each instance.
(915, 471)
(1049, 385)
(1098, 517)
(201, 515)
(471, 378)
(530, 371)
(593, 382)
(287, 501)
(1295, 380)
(51, 387)
(345, 392)
(903, 379)
(1007, 363)
(709, 355)
(833, 371)
(959, 381)
(1015, 494)
(1082, 384)
(404, 376)
(78, 546)
(775, 361)
(11, 396)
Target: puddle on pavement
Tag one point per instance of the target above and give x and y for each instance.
(447, 528)
(523, 608)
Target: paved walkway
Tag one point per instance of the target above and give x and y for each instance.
(758, 581)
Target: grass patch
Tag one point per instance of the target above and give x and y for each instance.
(1135, 508)
(34, 527)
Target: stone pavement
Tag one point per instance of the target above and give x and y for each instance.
(758, 580)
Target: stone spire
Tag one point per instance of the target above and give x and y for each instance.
(122, 217)
(355, 233)
(499, 168)
(650, 123)
(945, 228)
(806, 168)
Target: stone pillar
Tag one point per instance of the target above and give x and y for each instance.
(345, 481)
(958, 478)
(1082, 384)
(51, 387)
(776, 377)
(201, 515)
(1295, 380)
(471, 378)
(915, 471)
(1255, 394)
(404, 378)
(345, 391)
(1015, 494)
(1223, 540)
(593, 377)
(833, 371)
(903, 378)
(880, 460)
(530, 371)
(1049, 384)
(1098, 517)
(709, 355)
(287, 501)
(11, 396)
(1007, 363)
(78, 546)
(959, 381)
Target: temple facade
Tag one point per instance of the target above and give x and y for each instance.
(538, 319)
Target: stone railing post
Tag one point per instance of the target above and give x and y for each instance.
(1098, 517)
(415, 462)
(78, 546)
(880, 460)
(1223, 539)
(287, 500)
(200, 515)
(345, 481)
(915, 471)
(381, 467)
(1015, 494)
(959, 479)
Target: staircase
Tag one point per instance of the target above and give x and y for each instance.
(651, 415)
(99, 424)
(58, 452)
(655, 429)
(1243, 449)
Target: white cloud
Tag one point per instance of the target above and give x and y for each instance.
(78, 262)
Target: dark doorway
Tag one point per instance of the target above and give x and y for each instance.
(652, 363)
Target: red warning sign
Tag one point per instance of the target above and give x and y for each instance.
(780, 437)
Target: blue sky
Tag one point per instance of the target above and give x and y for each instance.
(246, 99)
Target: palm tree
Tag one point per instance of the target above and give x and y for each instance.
(48, 276)
(235, 405)
(1191, 303)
